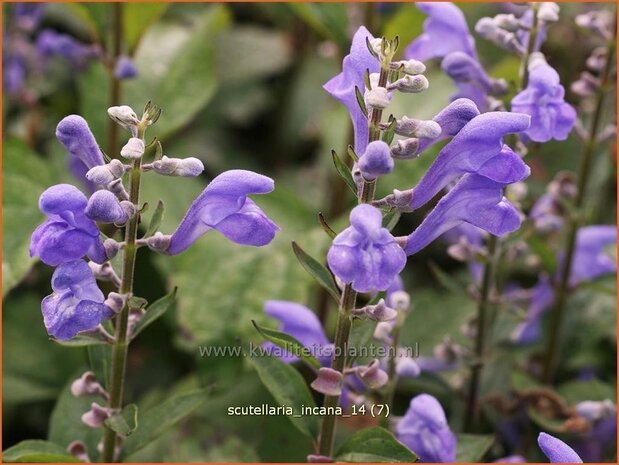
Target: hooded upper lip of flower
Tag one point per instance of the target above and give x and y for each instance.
(590, 258)
(476, 200)
(76, 304)
(301, 323)
(225, 207)
(425, 430)
(68, 234)
(477, 148)
(444, 31)
(556, 450)
(342, 86)
(73, 132)
(366, 254)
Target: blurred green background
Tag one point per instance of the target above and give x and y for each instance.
(240, 87)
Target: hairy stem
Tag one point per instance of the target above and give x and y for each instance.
(348, 299)
(119, 349)
(524, 64)
(472, 407)
(573, 223)
(114, 89)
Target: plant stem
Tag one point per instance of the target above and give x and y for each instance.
(119, 349)
(391, 367)
(524, 64)
(472, 407)
(342, 333)
(573, 222)
(114, 89)
(348, 300)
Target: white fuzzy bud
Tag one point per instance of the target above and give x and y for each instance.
(377, 98)
(133, 149)
(548, 12)
(405, 148)
(187, 167)
(123, 115)
(105, 174)
(410, 84)
(400, 300)
(159, 242)
(411, 67)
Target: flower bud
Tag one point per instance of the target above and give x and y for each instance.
(111, 248)
(123, 115)
(383, 329)
(377, 45)
(595, 410)
(125, 68)
(380, 312)
(78, 450)
(314, 458)
(411, 67)
(586, 85)
(133, 149)
(116, 301)
(548, 12)
(410, 84)
(597, 59)
(178, 166)
(328, 382)
(400, 300)
(117, 188)
(375, 161)
(372, 375)
(377, 98)
(159, 242)
(105, 174)
(507, 21)
(87, 385)
(405, 149)
(399, 199)
(95, 417)
(407, 367)
(129, 208)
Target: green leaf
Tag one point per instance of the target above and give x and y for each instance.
(25, 176)
(94, 15)
(361, 335)
(186, 54)
(545, 423)
(472, 447)
(99, 357)
(446, 280)
(125, 422)
(325, 226)
(374, 445)
(361, 102)
(318, 271)
(289, 343)
(154, 311)
(288, 388)
(344, 171)
(579, 390)
(545, 253)
(137, 17)
(155, 421)
(155, 220)
(37, 451)
(81, 341)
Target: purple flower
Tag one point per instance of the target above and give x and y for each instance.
(342, 86)
(425, 431)
(14, 72)
(471, 79)
(225, 207)
(556, 450)
(444, 31)
(551, 116)
(301, 323)
(366, 254)
(511, 459)
(476, 200)
(477, 148)
(591, 260)
(125, 68)
(73, 132)
(542, 298)
(69, 233)
(76, 304)
(376, 160)
(51, 44)
(27, 16)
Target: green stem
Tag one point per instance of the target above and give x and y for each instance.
(121, 344)
(114, 88)
(472, 407)
(573, 222)
(348, 300)
(342, 334)
(391, 367)
(524, 64)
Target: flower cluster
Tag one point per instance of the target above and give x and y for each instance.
(71, 231)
